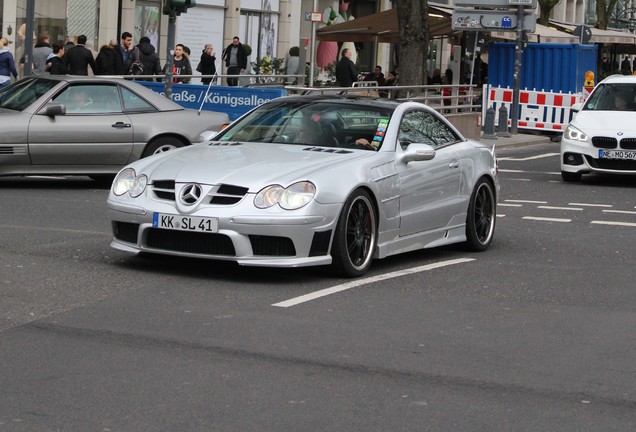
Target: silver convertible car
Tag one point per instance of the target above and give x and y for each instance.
(90, 126)
(312, 180)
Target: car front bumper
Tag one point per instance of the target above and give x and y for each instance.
(579, 157)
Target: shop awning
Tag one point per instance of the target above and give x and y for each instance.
(383, 27)
(542, 34)
(602, 36)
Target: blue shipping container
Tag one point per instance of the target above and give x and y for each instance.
(544, 67)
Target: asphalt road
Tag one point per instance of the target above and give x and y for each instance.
(536, 334)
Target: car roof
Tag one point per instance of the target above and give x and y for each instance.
(151, 96)
(620, 79)
(341, 99)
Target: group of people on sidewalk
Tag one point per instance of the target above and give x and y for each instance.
(61, 58)
(347, 73)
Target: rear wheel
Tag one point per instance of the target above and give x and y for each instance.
(356, 236)
(570, 176)
(161, 145)
(480, 221)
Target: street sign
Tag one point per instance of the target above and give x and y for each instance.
(584, 33)
(476, 19)
(501, 4)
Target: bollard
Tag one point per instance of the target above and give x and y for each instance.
(502, 126)
(489, 124)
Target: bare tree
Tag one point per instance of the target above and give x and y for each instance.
(414, 38)
(545, 8)
(604, 9)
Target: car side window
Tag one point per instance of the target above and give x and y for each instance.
(133, 102)
(90, 99)
(425, 128)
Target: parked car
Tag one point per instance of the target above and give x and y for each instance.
(90, 126)
(312, 180)
(601, 138)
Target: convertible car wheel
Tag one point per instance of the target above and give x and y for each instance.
(480, 221)
(356, 235)
(161, 145)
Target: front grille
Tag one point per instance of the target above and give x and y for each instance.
(628, 143)
(604, 142)
(164, 189)
(190, 242)
(126, 231)
(612, 164)
(272, 246)
(224, 194)
(320, 243)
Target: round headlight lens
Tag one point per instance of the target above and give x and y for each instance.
(124, 181)
(138, 186)
(297, 195)
(268, 196)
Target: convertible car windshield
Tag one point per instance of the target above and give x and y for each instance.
(313, 123)
(612, 97)
(24, 93)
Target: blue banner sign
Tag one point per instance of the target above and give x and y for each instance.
(234, 101)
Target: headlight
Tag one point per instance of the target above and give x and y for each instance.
(124, 181)
(127, 181)
(574, 134)
(290, 198)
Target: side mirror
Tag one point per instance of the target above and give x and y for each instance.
(52, 110)
(418, 152)
(576, 107)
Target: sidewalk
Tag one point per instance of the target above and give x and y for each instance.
(520, 139)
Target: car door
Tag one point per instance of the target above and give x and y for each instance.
(429, 190)
(94, 130)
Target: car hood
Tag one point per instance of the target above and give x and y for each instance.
(251, 165)
(605, 121)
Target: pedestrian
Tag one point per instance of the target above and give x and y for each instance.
(235, 60)
(7, 64)
(626, 67)
(108, 61)
(148, 56)
(124, 49)
(391, 80)
(376, 76)
(180, 66)
(346, 72)
(207, 64)
(436, 78)
(78, 58)
(55, 62)
(41, 52)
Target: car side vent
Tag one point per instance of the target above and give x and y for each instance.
(326, 150)
(10, 150)
(224, 144)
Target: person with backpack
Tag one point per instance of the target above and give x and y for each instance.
(147, 60)
(55, 62)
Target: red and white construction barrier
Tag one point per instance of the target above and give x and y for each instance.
(538, 110)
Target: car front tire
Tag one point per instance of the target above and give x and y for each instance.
(480, 220)
(161, 145)
(356, 236)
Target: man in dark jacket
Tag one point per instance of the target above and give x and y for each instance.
(108, 60)
(346, 72)
(55, 64)
(79, 58)
(235, 60)
(145, 53)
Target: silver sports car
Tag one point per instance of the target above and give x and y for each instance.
(312, 180)
(92, 126)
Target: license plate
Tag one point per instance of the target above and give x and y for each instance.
(617, 154)
(185, 223)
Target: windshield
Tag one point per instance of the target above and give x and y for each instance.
(23, 93)
(313, 122)
(612, 97)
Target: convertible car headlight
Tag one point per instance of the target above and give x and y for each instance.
(124, 181)
(128, 181)
(290, 198)
(575, 134)
(297, 195)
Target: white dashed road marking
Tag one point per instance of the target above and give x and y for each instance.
(544, 219)
(358, 282)
(540, 156)
(559, 208)
(629, 224)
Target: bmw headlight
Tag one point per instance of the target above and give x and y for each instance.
(128, 181)
(290, 198)
(575, 134)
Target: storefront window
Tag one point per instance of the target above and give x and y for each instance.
(147, 20)
(259, 27)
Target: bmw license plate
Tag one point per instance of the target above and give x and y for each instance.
(617, 154)
(185, 223)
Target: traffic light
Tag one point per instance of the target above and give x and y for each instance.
(177, 7)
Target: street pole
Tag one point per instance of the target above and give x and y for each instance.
(170, 55)
(28, 38)
(312, 60)
(517, 71)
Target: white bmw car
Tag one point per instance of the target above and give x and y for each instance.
(601, 138)
(312, 180)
